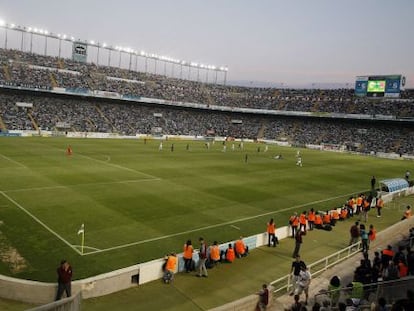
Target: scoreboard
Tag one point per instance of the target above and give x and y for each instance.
(379, 86)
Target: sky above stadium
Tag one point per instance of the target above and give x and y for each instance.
(289, 43)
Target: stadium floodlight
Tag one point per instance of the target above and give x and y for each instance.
(104, 45)
(12, 25)
(183, 62)
(29, 29)
(46, 32)
(2, 23)
(64, 37)
(72, 38)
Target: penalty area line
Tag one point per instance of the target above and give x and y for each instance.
(39, 222)
(230, 223)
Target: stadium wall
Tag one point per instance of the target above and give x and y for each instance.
(41, 293)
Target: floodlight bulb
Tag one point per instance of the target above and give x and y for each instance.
(2, 22)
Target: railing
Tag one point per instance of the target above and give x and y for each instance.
(391, 291)
(72, 303)
(285, 282)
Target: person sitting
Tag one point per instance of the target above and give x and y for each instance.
(241, 250)
(318, 221)
(170, 267)
(214, 253)
(230, 254)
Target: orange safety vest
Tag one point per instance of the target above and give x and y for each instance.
(240, 247)
(359, 201)
(188, 251)
(403, 269)
(230, 255)
(215, 252)
(271, 228)
(311, 216)
(366, 204)
(388, 252)
(380, 203)
(171, 263)
(294, 221)
(373, 234)
(326, 219)
(344, 213)
(302, 219)
(318, 220)
(335, 214)
(407, 213)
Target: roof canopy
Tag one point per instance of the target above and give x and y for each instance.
(394, 184)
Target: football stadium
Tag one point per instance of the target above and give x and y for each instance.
(113, 158)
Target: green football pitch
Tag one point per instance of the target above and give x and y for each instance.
(138, 203)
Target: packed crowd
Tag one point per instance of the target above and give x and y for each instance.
(85, 115)
(45, 72)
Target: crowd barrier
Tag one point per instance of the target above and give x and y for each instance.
(107, 283)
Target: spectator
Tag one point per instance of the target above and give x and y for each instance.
(170, 267)
(202, 270)
(263, 298)
(188, 256)
(64, 272)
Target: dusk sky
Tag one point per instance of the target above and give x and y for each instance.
(290, 42)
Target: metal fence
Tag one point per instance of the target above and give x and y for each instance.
(72, 303)
(285, 283)
(392, 291)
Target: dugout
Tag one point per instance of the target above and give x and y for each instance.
(393, 185)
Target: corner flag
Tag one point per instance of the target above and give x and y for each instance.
(82, 229)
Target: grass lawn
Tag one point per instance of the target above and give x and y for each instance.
(138, 203)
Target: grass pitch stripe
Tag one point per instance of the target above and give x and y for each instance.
(39, 221)
(129, 181)
(13, 161)
(120, 167)
(230, 223)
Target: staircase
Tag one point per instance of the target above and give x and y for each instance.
(114, 129)
(3, 127)
(36, 127)
(6, 71)
(53, 80)
(260, 134)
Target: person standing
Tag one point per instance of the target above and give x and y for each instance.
(303, 284)
(407, 213)
(379, 204)
(271, 229)
(364, 238)
(294, 223)
(354, 232)
(202, 270)
(64, 272)
(298, 243)
(311, 218)
(188, 256)
(295, 271)
(263, 298)
(373, 182)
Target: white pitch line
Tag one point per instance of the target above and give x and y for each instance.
(215, 226)
(39, 222)
(81, 185)
(13, 161)
(235, 227)
(118, 166)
